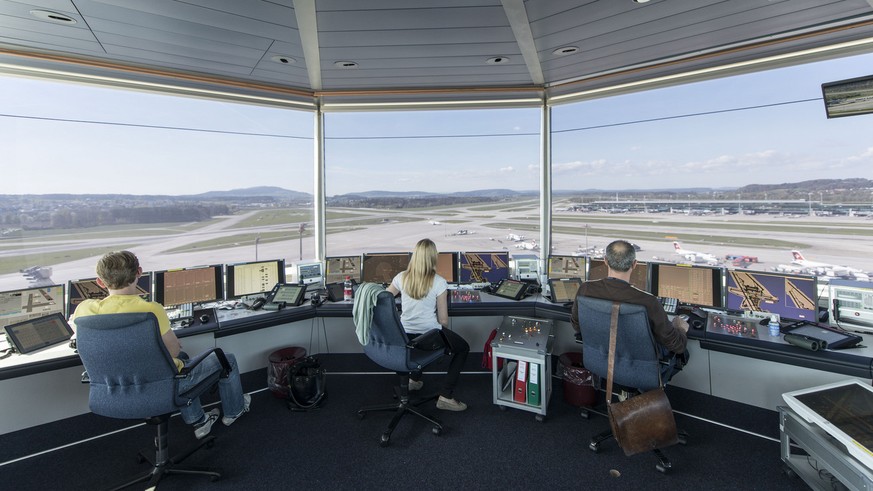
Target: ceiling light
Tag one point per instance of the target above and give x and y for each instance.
(566, 50)
(53, 17)
(497, 60)
(285, 60)
(345, 64)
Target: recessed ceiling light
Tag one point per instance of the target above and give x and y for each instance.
(285, 60)
(345, 64)
(566, 50)
(53, 17)
(497, 60)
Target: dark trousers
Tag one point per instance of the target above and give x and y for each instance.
(672, 363)
(460, 349)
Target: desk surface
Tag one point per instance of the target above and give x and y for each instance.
(854, 361)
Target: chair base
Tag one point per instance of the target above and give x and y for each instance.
(663, 466)
(163, 465)
(401, 408)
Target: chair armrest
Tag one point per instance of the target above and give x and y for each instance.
(432, 340)
(193, 362)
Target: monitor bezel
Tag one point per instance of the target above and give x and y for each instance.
(828, 88)
(158, 285)
(69, 293)
(229, 274)
(717, 282)
(647, 286)
(552, 281)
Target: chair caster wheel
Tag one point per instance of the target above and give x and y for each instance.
(361, 414)
(540, 418)
(663, 469)
(502, 408)
(213, 478)
(385, 439)
(594, 447)
(682, 438)
(437, 430)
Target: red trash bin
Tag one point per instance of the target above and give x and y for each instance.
(579, 382)
(277, 372)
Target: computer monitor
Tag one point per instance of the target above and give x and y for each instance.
(338, 267)
(30, 303)
(254, 278)
(793, 297)
(484, 267)
(567, 267)
(447, 266)
(42, 332)
(88, 289)
(383, 267)
(597, 270)
(563, 290)
(310, 272)
(691, 285)
(189, 285)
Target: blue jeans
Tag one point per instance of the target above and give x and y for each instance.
(229, 388)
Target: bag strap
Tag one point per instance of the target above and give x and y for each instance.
(613, 335)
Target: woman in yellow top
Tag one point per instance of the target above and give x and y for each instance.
(117, 272)
(425, 307)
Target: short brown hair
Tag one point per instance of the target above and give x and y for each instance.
(118, 269)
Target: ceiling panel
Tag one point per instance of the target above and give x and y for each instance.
(422, 44)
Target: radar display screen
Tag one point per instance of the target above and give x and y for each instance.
(692, 285)
(254, 278)
(382, 268)
(597, 270)
(567, 267)
(30, 303)
(88, 289)
(484, 267)
(792, 297)
(338, 267)
(190, 285)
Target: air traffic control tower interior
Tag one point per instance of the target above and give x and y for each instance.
(253, 128)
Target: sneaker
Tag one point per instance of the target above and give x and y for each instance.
(247, 401)
(450, 404)
(203, 429)
(416, 384)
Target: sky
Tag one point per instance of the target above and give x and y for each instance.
(72, 138)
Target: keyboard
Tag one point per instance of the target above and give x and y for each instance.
(671, 305)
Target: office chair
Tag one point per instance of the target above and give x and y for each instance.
(390, 347)
(637, 357)
(132, 376)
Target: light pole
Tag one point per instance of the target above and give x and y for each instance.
(809, 200)
(302, 228)
(257, 239)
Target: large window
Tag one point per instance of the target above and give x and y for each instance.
(468, 180)
(179, 181)
(740, 168)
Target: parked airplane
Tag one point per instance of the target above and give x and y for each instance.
(833, 269)
(515, 238)
(434, 222)
(529, 245)
(695, 257)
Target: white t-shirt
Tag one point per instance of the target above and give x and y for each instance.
(420, 316)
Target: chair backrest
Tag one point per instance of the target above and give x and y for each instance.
(637, 363)
(388, 341)
(132, 375)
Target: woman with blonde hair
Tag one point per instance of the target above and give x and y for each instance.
(425, 307)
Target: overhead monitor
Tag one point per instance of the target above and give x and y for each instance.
(691, 285)
(254, 278)
(88, 289)
(848, 97)
(30, 303)
(566, 267)
(189, 286)
(597, 270)
(447, 266)
(484, 267)
(383, 267)
(792, 297)
(338, 267)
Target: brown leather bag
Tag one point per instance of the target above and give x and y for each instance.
(640, 423)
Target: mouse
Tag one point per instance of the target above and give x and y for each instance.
(204, 319)
(258, 303)
(699, 312)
